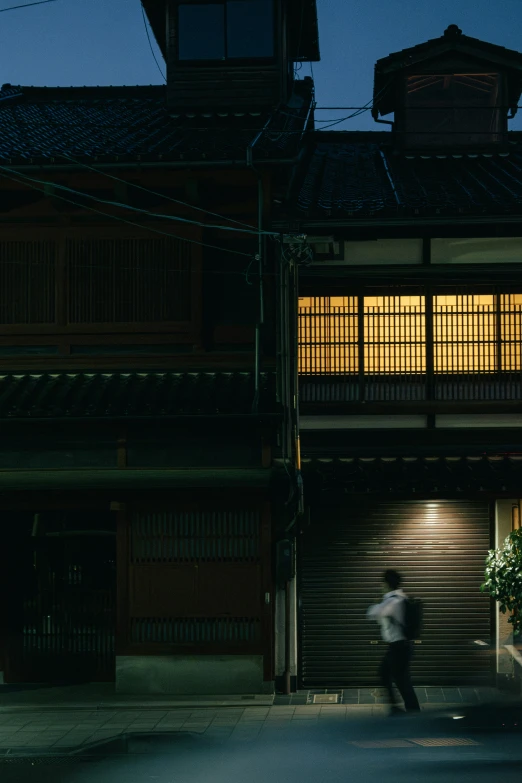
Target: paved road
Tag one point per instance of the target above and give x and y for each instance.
(329, 747)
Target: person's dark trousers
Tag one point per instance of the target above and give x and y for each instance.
(395, 668)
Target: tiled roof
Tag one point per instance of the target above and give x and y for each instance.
(126, 395)
(119, 124)
(494, 474)
(452, 42)
(358, 176)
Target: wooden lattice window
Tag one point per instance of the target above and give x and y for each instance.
(128, 280)
(27, 282)
(472, 333)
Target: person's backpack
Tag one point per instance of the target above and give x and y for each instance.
(413, 611)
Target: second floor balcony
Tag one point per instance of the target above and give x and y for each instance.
(427, 349)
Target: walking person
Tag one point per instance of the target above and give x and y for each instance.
(391, 614)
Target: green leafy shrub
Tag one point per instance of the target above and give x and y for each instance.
(503, 578)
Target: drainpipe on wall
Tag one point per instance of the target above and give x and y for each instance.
(260, 260)
(295, 313)
(290, 348)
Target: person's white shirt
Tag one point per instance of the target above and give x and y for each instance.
(390, 614)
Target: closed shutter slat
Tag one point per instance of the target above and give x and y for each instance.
(440, 549)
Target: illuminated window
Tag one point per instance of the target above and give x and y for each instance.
(511, 331)
(472, 334)
(394, 335)
(465, 335)
(328, 335)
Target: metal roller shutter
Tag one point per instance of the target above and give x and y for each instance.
(440, 549)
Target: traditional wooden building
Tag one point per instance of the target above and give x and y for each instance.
(410, 361)
(140, 406)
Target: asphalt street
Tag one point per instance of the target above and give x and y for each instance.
(477, 745)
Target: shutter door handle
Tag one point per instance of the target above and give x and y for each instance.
(372, 642)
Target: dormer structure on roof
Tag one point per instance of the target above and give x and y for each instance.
(232, 55)
(452, 93)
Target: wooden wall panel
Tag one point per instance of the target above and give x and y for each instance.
(27, 282)
(197, 580)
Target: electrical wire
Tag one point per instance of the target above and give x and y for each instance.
(367, 107)
(131, 222)
(245, 273)
(110, 203)
(155, 193)
(417, 108)
(26, 5)
(150, 44)
(250, 256)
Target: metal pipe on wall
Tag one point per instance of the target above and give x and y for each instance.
(288, 661)
(260, 260)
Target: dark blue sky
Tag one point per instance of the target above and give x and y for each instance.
(76, 42)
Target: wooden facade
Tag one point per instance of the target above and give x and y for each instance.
(58, 317)
(85, 296)
(409, 372)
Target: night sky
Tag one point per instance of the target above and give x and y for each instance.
(101, 42)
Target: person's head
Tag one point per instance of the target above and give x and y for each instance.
(392, 579)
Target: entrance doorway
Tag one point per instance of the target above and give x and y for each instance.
(61, 581)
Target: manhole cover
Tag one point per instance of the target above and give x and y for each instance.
(382, 744)
(37, 761)
(444, 742)
(326, 698)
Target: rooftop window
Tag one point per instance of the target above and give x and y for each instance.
(231, 30)
(460, 109)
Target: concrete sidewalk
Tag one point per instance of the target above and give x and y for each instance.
(41, 719)
(26, 732)
(103, 696)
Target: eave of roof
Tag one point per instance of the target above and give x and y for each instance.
(133, 125)
(388, 68)
(99, 395)
(359, 178)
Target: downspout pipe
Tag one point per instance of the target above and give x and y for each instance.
(260, 261)
(299, 478)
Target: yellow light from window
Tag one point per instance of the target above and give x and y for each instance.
(471, 333)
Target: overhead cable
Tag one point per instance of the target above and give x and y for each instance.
(123, 220)
(161, 216)
(155, 193)
(26, 5)
(150, 44)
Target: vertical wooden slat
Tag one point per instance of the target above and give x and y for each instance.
(429, 344)
(27, 282)
(361, 327)
(129, 280)
(123, 556)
